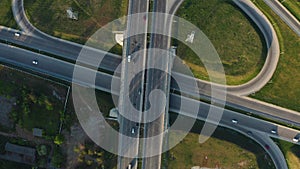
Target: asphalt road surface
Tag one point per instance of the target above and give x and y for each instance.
(285, 15)
(159, 64)
(23, 58)
(132, 83)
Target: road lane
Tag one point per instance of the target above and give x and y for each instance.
(132, 83)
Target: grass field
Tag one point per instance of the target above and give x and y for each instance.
(285, 87)
(293, 6)
(6, 15)
(225, 149)
(237, 40)
(50, 16)
(291, 153)
(36, 105)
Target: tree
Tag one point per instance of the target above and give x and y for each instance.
(99, 160)
(41, 150)
(59, 139)
(89, 162)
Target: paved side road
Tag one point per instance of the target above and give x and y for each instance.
(285, 15)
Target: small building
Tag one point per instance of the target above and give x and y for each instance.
(114, 113)
(37, 132)
(119, 37)
(19, 154)
(71, 14)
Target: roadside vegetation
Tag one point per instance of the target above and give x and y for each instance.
(6, 14)
(284, 88)
(36, 106)
(91, 156)
(50, 16)
(28, 102)
(38, 103)
(236, 38)
(293, 6)
(291, 152)
(225, 149)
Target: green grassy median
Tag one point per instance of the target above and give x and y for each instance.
(236, 38)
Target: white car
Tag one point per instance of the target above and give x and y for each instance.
(273, 131)
(132, 130)
(296, 139)
(234, 121)
(35, 62)
(128, 58)
(17, 34)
